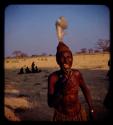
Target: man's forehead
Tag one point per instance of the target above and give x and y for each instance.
(66, 53)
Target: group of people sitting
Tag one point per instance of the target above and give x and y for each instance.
(34, 69)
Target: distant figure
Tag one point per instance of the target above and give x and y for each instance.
(36, 69)
(27, 70)
(39, 70)
(33, 67)
(21, 71)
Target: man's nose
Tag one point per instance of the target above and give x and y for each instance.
(66, 60)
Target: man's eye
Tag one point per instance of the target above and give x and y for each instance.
(68, 57)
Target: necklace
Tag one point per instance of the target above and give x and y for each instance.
(67, 73)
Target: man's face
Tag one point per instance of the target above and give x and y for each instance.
(66, 60)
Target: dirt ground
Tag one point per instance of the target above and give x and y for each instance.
(26, 94)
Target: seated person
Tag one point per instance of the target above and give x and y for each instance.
(21, 70)
(27, 70)
(36, 69)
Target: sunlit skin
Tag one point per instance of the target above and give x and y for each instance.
(65, 61)
(70, 95)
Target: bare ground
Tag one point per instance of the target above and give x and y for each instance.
(26, 94)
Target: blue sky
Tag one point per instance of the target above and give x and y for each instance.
(31, 28)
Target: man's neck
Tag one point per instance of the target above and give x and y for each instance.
(66, 72)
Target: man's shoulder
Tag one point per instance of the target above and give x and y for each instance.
(76, 72)
(54, 74)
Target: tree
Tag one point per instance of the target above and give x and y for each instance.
(43, 54)
(96, 51)
(90, 50)
(83, 50)
(23, 55)
(16, 53)
(50, 54)
(34, 55)
(103, 45)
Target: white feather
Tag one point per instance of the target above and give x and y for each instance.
(61, 25)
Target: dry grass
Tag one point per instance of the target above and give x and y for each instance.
(26, 94)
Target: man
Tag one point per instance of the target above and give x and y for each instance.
(63, 88)
(63, 85)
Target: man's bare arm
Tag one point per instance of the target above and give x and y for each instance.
(53, 97)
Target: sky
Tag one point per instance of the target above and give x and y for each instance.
(31, 28)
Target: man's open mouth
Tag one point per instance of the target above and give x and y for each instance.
(66, 66)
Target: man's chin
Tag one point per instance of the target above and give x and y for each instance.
(66, 68)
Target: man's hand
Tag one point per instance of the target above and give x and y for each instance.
(92, 115)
